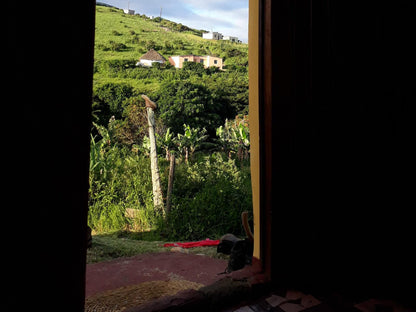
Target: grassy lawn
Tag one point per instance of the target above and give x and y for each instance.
(122, 244)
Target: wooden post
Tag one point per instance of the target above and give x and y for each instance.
(170, 182)
(157, 189)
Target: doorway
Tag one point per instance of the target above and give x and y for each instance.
(139, 30)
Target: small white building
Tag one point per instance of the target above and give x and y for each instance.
(229, 38)
(212, 35)
(152, 56)
(128, 11)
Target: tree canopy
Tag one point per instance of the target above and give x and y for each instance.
(184, 102)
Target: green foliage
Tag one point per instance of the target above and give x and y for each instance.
(190, 140)
(112, 46)
(230, 89)
(234, 138)
(110, 100)
(208, 199)
(183, 102)
(151, 44)
(129, 186)
(119, 179)
(131, 129)
(109, 246)
(195, 68)
(208, 196)
(167, 142)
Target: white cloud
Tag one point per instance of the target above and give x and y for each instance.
(228, 17)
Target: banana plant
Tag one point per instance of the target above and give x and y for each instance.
(102, 158)
(167, 142)
(234, 137)
(190, 141)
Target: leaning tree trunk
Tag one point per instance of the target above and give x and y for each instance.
(157, 189)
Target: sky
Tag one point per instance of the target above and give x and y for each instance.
(229, 17)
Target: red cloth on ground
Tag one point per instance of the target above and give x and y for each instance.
(206, 242)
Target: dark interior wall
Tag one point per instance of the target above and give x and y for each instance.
(339, 162)
(338, 106)
(46, 120)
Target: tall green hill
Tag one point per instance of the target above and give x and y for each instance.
(121, 39)
(122, 36)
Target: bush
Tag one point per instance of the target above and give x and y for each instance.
(195, 68)
(117, 46)
(208, 199)
(110, 100)
(183, 102)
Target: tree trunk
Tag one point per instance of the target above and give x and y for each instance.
(167, 154)
(170, 182)
(186, 154)
(157, 189)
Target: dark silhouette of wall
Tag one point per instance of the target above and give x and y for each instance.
(335, 125)
(339, 137)
(46, 124)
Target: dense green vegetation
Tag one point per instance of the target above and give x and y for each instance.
(201, 118)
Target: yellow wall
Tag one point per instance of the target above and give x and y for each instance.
(211, 61)
(208, 60)
(253, 56)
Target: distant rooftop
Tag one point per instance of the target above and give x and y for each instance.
(152, 55)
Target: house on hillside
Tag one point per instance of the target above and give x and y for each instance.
(150, 57)
(128, 11)
(207, 60)
(212, 35)
(230, 38)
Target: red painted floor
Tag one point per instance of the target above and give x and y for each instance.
(151, 267)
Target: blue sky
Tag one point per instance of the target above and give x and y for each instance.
(229, 17)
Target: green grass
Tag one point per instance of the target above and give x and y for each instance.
(113, 25)
(107, 247)
(136, 31)
(127, 244)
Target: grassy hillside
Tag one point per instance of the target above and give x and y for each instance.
(136, 33)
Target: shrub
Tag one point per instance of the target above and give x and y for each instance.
(110, 100)
(150, 44)
(135, 39)
(116, 46)
(208, 199)
(183, 102)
